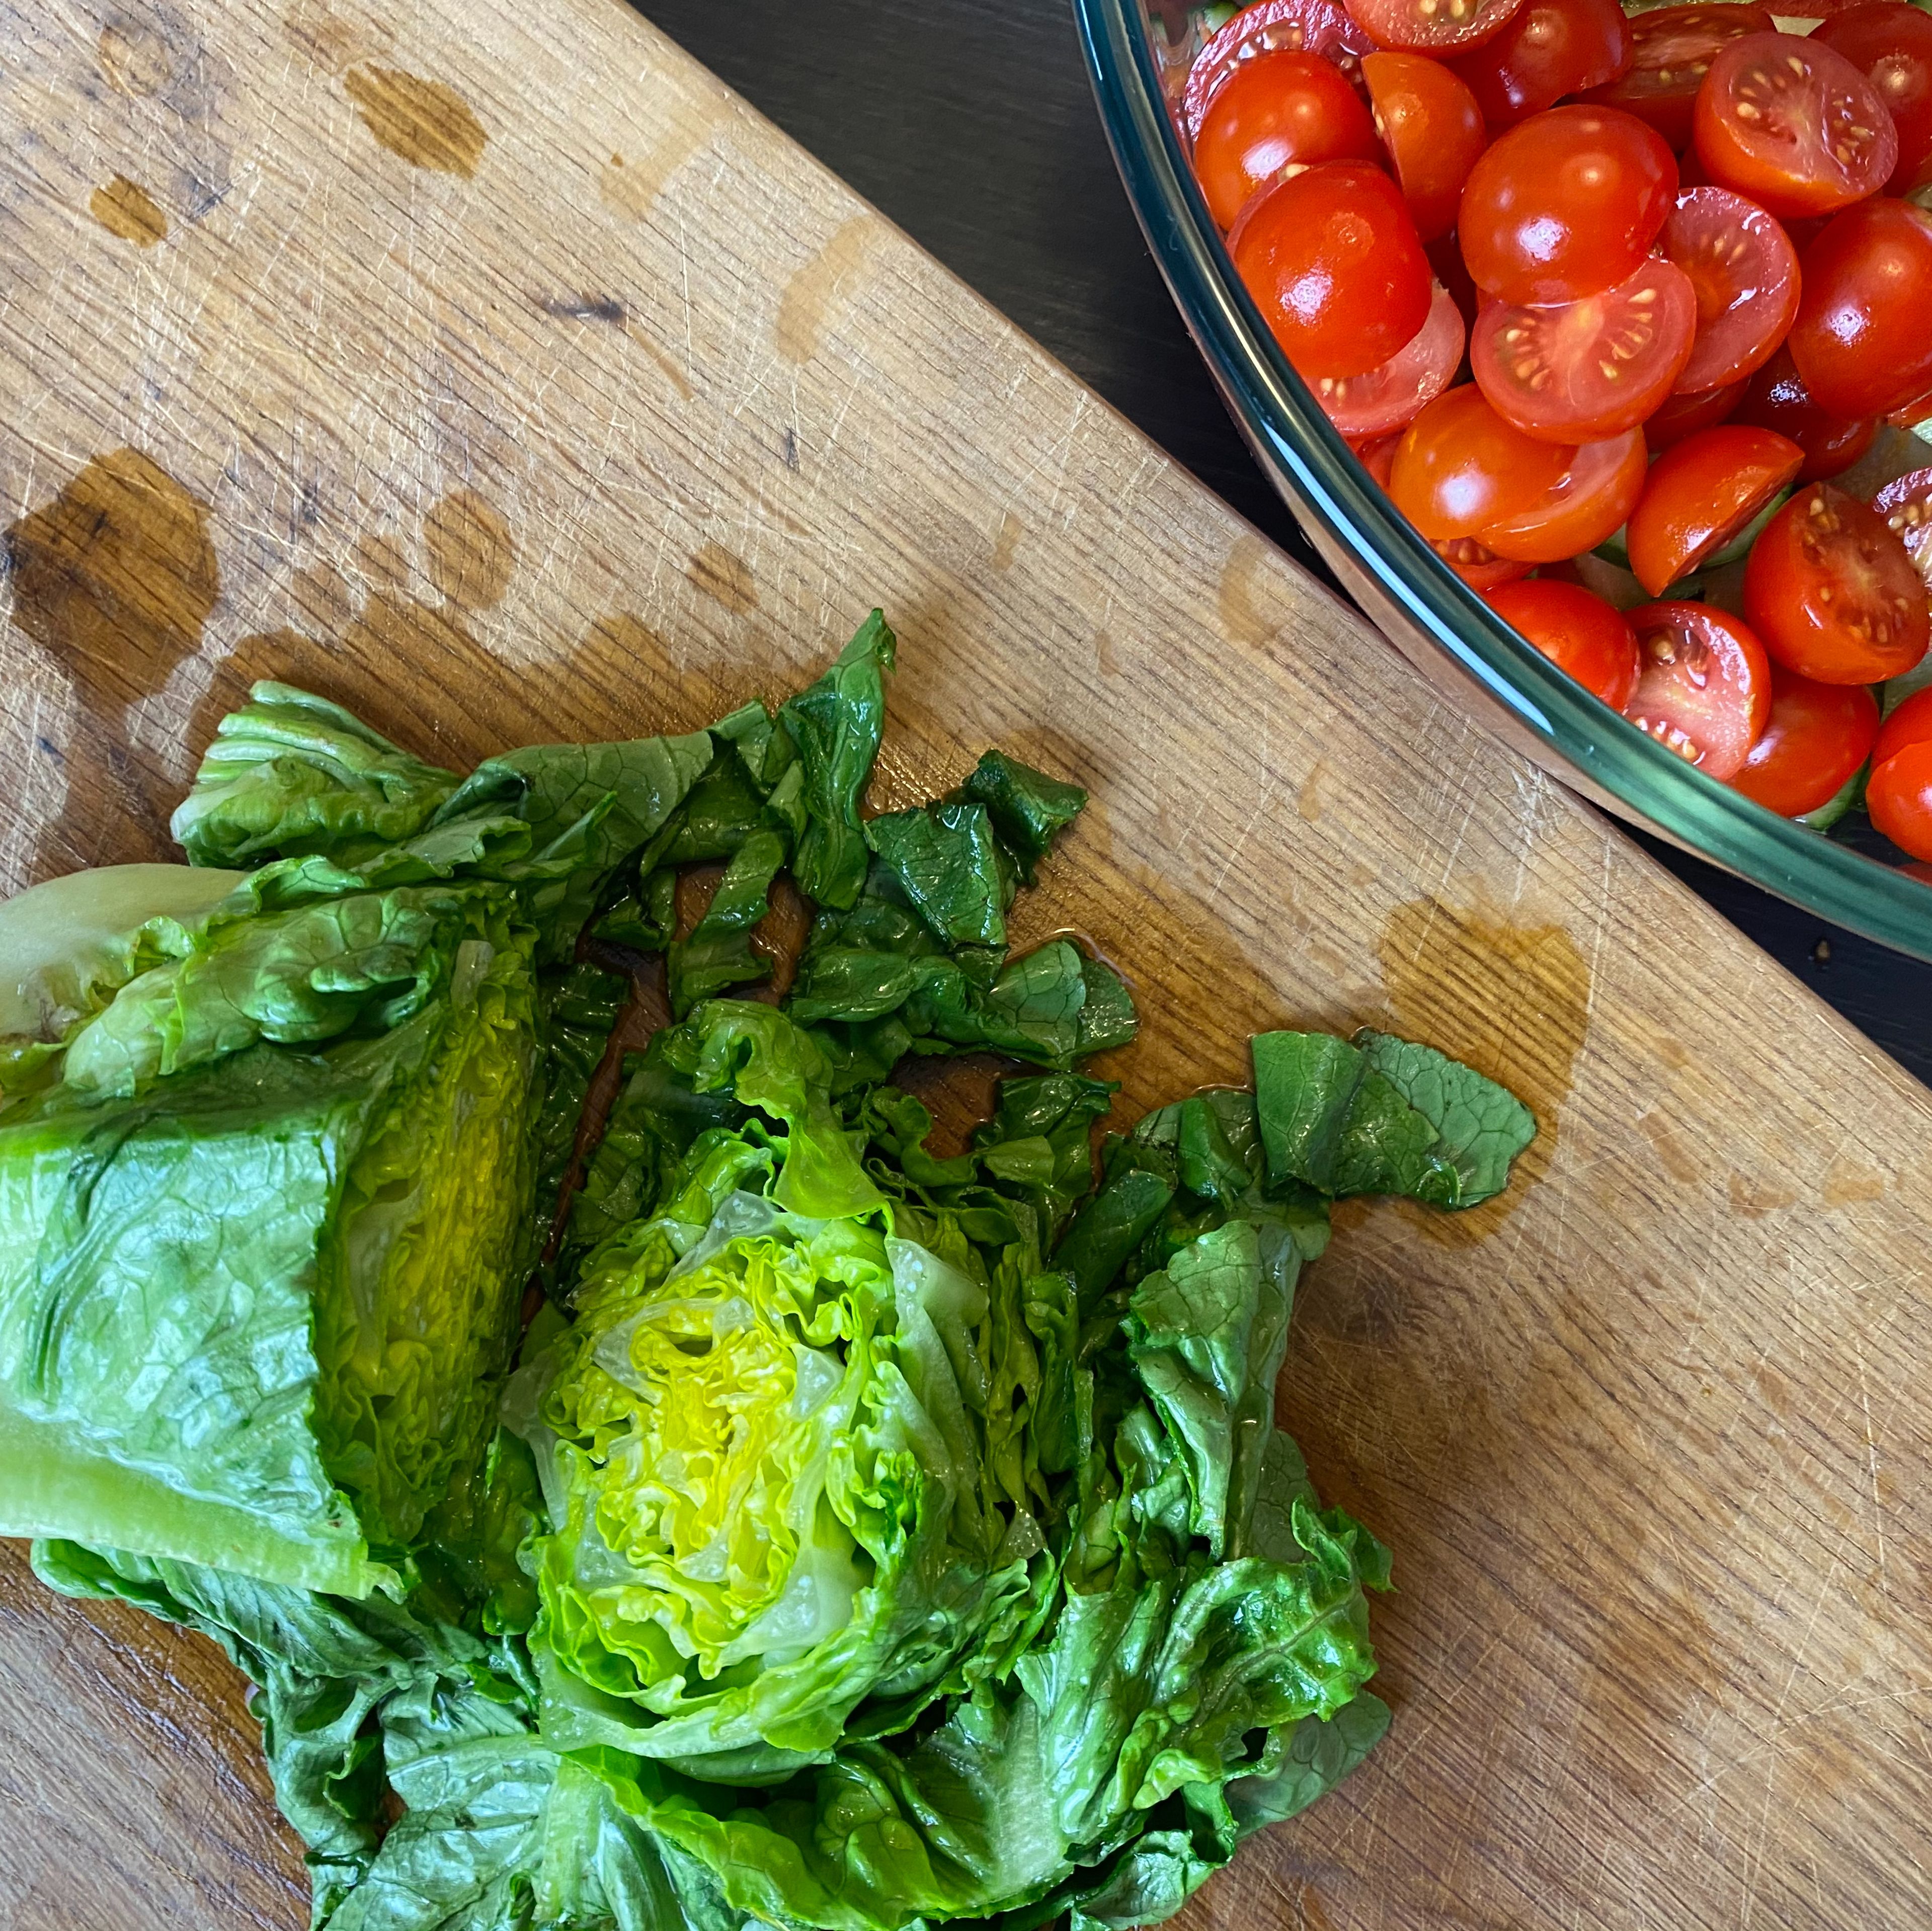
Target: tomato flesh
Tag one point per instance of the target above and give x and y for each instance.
(1704, 686)
(1905, 504)
(1460, 467)
(1833, 595)
(1313, 26)
(1389, 398)
(1672, 48)
(1565, 205)
(1577, 370)
(1817, 737)
(1431, 26)
(1332, 260)
(1430, 122)
(1776, 398)
(1577, 631)
(1861, 339)
(1743, 271)
(1275, 111)
(1891, 47)
(1678, 416)
(1549, 49)
(1590, 503)
(1481, 569)
(1792, 124)
(1700, 494)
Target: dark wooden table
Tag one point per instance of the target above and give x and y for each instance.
(969, 122)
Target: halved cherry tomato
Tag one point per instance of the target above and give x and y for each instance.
(1576, 370)
(1445, 257)
(1672, 48)
(1818, 735)
(1891, 47)
(1910, 415)
(1577, 631)
(1565, 205)
(1550, 48)
(1678, 416)
(1274, 112)
(1314, 26)
(1861, 339)
(1481, 569)
(1776, 398)
(1745, 275)
(1588, 505)
(1376, 455)
(1433, 130)
(1793, 125)
(1388, 399)
(1905, 504)
(1898, 794)
(1700, 494)
(1704, 690)
(1460, 467)
(1832, 593)
(1331, 258)
(1431, 26)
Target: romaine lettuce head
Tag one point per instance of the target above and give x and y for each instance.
(263, 1226)
(763, 1441)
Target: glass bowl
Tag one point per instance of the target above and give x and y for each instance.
(1137, 50)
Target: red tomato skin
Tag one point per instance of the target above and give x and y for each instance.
(1678, 416)
(1776, 398)
(1861, 339)
(1681, 42)
(1891, 47)
(1550, 48)
(1430, 122)
(1386, 400)
(1817, 737)
(1275, 111)
(1317, 26)
(1587, 507)
(1517, 356)
(1830, 590)
(1460, 466)
(1403, 26)
(1699, 495)
(1744, 270)
(1577, 631)
(1704, 684)
(1737, 153)
(1565, 205)
(1332, 261)
(1910, 724)
(1898, 799)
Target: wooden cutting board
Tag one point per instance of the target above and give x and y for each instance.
(491, 368)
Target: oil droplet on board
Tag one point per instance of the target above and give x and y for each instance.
(126, 209)
(806, 307)
(725, 578)
(429, 125)
(466, 545)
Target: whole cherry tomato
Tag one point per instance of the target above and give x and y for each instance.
(1565, 205)
(1311, 26)
(1587, 505)
(1672, 48)
(1388, 398)
(1572, 371)
(1678, 416)
(1910, 724)
(1833, 595)
(1793, 125)
(1577, 631)
(1431, 26)
(1704, 687)
(1744, 272)
(1818, 736)
(1277, 110)
(1700, 494)
(1776, 398)
(1460, 467)
(1549, 49)
(1861, 339)
(1898, 794)
(1891, 47)
(1332, 260)
(1433, 130)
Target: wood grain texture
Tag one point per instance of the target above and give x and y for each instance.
(546, 391)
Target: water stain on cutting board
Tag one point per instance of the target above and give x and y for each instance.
(114, 579)
(1512, 1001)
(127, 210)
(429, 125)
(335, 38)
(157, 54)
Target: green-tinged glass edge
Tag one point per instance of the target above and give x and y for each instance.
(1318, 476)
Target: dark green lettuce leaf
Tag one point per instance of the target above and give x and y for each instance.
(943, 858)
(718, 952)
(1028, 809)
